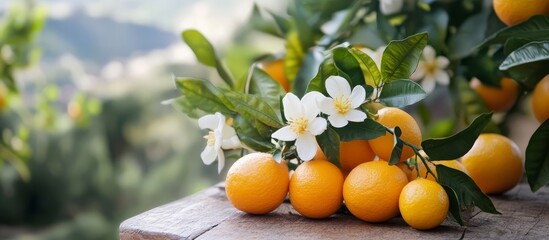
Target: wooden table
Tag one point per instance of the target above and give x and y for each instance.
(209, 215)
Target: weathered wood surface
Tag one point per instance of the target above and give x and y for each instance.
(209, 215)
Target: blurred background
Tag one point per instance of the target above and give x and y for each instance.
(84, 139)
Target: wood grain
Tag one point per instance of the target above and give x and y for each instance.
(208, 215)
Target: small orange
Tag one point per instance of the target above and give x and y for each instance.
(406, 170)
(353, 153)
(423, 204)
(540, 103)
(497, 99)
(275, 69)
(372, 189)
(257, 184)
(392, 117)
(494, 163)
(316, 189)
(512, 12)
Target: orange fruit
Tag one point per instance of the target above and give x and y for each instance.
(406, 170)
(353, 153)
(392, 117)
(257, 184)
(540, 103)
(371, 191)
(448, 163)
(497, 99)
(316, 189)
(494, 163)
(512, 12)
(423, 204)
(275, 69)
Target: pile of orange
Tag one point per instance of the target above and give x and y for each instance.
(372, 190)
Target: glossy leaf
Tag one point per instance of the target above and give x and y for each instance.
(397, 147)
(454, 210)
(264, 86)
(369, 129)
(346, 62)
(534, 29)
(459, 144)
(261, 24)
(185, 106)
(253, 107)
(329, 143)
(529, 74)
(469, 35)
(309, 67)
(368, 66)
(468, 193)
(205, 53)
(294, 56)
(401, 93)
(401, 57)
(248, 135)
(204, 95)
(532, 52)
(537, 158)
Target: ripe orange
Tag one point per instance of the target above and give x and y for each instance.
(497, 99)
(540, 103)
(406, 170)
(411, 133)
(372, 189)
(494, 163)
(257, 184)
(353, 153)
(512, 12)
(275, 69)
(423, 204)
(316, 189)
(449, 163)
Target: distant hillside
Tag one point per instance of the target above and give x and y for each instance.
(99, 40)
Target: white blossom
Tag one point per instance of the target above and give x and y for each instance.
(342, 103)
(389, 7)
(303, 123)
(221, 136)
(431, 69)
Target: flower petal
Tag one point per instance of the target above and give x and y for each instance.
(306, 147)
(231, 143)
(337, 86)
(228, 131)
(442, 62)
(292, 106)
(389, 7)
(317, 126)
(355, 116)
(210, 121)
(220, 161)
(338, 120)
(420, 72)
(284, 134)
(442, 77)
(309, 104)
(429, 53)
(326, 105)
(428, 84)
(208, 155)
(358, 95)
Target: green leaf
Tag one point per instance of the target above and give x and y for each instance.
(294, 56)
(537, 158)
(329, 143)
(264, 86)
(455, 210)
(248, 135)
(397, 147)
(327, 68)
(468, 193)
(532, 52)
(309, 67)
(368, 66)
(469, 35)
(459, 144)
(346, 62)
(204, 95)
(183, 105)
(436, 25)
(401, 93)
(253, 107)
(485, 68)
(259, 23)
(534, 29)
(529, 74)
(369, 129)
(205, 53)
(401, 57)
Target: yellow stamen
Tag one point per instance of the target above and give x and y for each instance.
(342, 104)
(211, 138)
(299, 125)
(431, 67)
